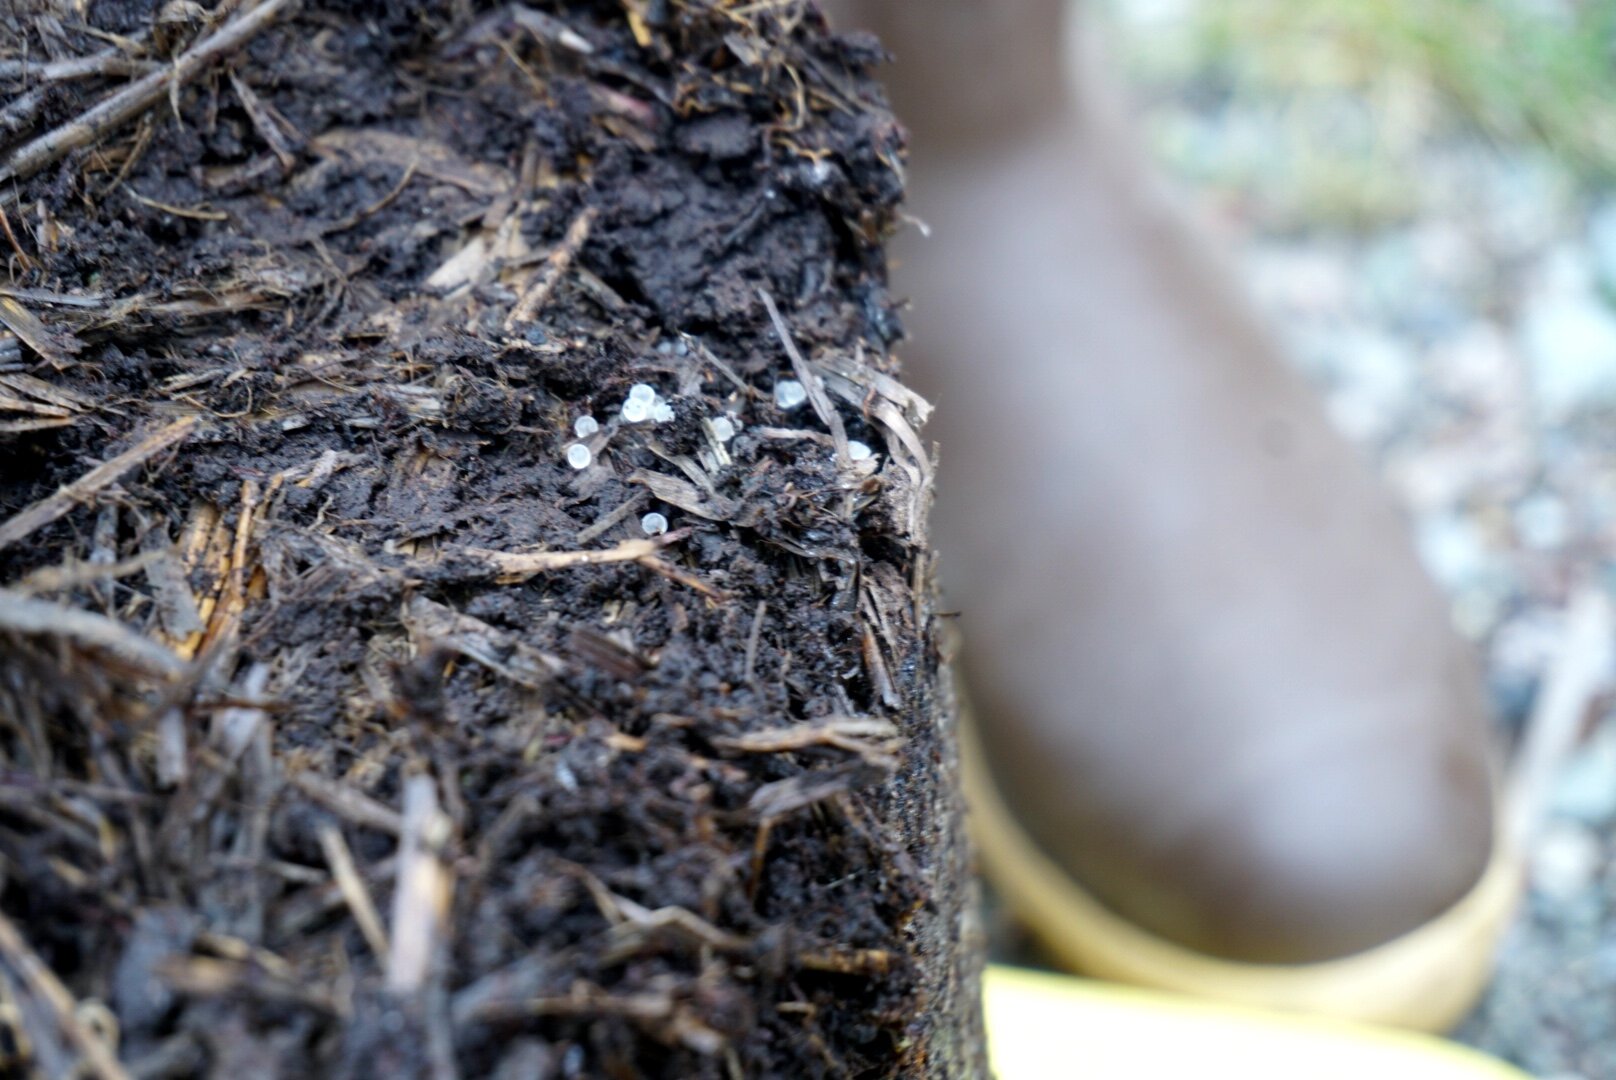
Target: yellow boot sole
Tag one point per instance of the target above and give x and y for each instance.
(1425, 980)
(1042, 1027)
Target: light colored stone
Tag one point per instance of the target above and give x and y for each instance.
(1585, 790)
(1565, 859)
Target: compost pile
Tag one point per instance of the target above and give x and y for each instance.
(355, 720)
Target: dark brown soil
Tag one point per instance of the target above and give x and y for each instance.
(323, 750)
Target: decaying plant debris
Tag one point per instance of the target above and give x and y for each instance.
(345, 728)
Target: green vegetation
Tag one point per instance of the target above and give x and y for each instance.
(1353, 86)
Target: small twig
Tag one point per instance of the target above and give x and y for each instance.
(178, 211)
(746, 388)
(498, 650)
(380, 204)
(110, 62)
(844, 733)
(264, 122)
(518, 565)
(538, 294)
(43, 984)
(353, 890)
(683, 577)
(847, 961)
(51, 507)
(120, 108)
(11, 238)
(144, 133)
(810, 382)
(753, 637)
(26, 615)
(72, 575)
(226, 619)
(205, 976)
(877, 667)
(622, 513)
(347, 803)
(549, 28)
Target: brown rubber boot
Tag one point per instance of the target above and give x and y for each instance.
(1226, 738)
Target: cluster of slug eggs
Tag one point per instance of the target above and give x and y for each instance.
(644, 403)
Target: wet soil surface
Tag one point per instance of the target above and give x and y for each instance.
(354, 719)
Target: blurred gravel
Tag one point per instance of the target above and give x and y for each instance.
(1458, 316)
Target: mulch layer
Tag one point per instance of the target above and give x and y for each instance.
(349, 727)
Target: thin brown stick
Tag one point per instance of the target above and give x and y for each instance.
(178, 211)
(622, 513)
(265, 124)
(11, 238)
(380, 204)
(120, 108)
(26, 615)
(344, 801)
(43, 984)
(538, 294)
(71, 575)
(843, 733)
(353, 890)
(847, 961)
(753, 637)
(53, 506)
(810, 382)
(683, 577)
(111, 62)
(519, 565)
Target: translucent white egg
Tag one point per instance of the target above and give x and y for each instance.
(789, 393)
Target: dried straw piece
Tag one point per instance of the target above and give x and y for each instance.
(53, 506)
(115, 111)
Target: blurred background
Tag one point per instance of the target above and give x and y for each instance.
(1421, 195)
